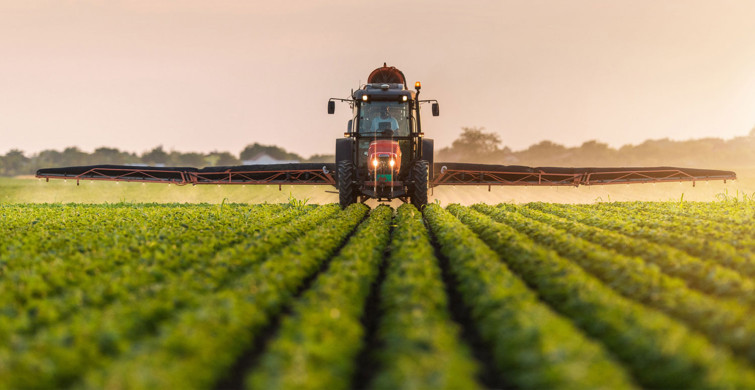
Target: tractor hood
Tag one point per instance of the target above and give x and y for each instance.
(384, 155)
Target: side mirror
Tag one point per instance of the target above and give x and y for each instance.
(331, 107)
(436, 109)
(348, 127)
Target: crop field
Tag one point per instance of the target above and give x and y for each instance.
(291, 295)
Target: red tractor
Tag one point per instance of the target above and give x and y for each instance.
(384, 155)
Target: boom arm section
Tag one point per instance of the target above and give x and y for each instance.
(289, 174)
(444, 174)
(515, 175)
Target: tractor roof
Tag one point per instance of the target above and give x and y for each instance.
(384, 92)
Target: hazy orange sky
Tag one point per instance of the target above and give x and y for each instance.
(217, 75)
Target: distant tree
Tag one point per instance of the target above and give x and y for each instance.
(475, 141)
(654, 152)
(48, 158)
(276, 152)
(112, 156)
(546, 148)
(594, 145)
(544, 153)
(73, 156)
(190, 159)
(221, 159)
(752, 132)
(594, 152)
(156, 156)
(14, 163)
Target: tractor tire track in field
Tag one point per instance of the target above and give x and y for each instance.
(366, 361)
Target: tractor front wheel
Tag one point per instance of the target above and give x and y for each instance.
(420, 175)
(347, 192)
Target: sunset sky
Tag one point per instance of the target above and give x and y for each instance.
(217, 75)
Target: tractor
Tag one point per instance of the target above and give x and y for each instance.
(384, 154)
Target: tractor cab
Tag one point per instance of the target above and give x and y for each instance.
(384, 125)
(381, 117)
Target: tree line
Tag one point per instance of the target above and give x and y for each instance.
(473, 145)
(16, 162)
(478, 146)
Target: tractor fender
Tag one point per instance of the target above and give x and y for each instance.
(344, 149)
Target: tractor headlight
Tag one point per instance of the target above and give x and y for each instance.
(392, 163)
(375, 163)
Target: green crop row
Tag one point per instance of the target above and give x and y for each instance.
(197, 347)
(717, 250)
(121, 272)
(652, 216)
(317, 344)
(723, 321)
(533, 347)
(91, 265)
(741, 236)
(121, 269)
(420, 346)
(659, 352)
(54, 255)
(49, 231)
(740, 214)
(705, 275)
(59, 354)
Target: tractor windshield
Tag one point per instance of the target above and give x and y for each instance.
(382, 117)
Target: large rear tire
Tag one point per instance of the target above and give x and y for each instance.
(420, 174)
(347, 192)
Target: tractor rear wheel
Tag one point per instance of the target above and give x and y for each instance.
(420, 173)
(347, 192)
